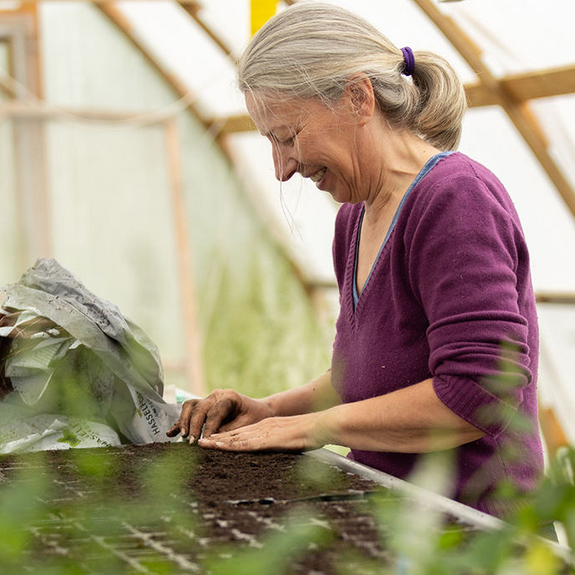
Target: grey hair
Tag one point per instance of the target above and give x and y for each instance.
(312, 49)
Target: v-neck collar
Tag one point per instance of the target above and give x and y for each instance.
(357, 232)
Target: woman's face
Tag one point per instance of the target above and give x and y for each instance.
(320, 143)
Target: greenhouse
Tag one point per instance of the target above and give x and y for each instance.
(151, 250)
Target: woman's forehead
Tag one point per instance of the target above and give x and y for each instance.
(278, 113)
(271, 112)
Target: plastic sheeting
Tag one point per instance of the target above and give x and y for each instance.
(80, 371)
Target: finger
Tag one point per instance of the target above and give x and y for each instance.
(244, 439)
(198, 417)
(242, 421)
(231, 444)
(261, 436)
(235, 427)
(174, 430)
(223, 409)
(184, 421)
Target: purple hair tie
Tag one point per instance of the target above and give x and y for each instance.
(408, 61)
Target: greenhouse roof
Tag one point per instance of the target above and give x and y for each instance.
(519, 70)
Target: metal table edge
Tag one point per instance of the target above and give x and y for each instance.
(436, 501)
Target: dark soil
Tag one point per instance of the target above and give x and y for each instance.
(172, 508)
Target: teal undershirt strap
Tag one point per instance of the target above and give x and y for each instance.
(424, 171)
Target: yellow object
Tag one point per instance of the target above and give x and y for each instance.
(261, 12)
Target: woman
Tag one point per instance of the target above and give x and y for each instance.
(436, 345)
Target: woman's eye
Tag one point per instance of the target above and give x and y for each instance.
(287, 141)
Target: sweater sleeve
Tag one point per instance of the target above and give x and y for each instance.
(465, 251)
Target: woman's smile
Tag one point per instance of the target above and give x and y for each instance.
(311, 139)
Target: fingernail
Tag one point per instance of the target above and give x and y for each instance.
(192, 439)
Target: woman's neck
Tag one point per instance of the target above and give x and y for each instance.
(396, 159)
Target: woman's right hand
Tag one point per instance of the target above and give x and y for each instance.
(222, 410)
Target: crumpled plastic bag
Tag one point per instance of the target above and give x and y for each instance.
(73, 370)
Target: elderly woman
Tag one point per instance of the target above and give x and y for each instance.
(436, 345)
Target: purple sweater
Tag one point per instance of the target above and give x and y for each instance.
(449, 298)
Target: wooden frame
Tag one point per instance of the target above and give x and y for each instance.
(193, 360)
(5, 90)
(115, 15)
(525, 87)
(517, 109)
(19, 29)
(522, 87)
(193, 9)
(212, 125)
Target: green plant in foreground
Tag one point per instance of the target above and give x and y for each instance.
(277, 552)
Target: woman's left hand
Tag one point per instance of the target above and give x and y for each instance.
(293, 433)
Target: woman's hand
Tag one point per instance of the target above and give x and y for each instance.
(222, 410)
(293, 433)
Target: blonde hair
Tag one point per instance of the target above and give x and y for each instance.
(312, 49)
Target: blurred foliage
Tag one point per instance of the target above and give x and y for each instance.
(417, 540)
(265, 336)
(278, 551)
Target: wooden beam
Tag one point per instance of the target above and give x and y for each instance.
(234, 124)
(552, 431)
(194, 361)
(193, 9)
(541, 84)
(34, 110)
(518, 111)
(115, 15)
(20, 28)
(555, 297)
(525, 87)
(478, 95)
(5, 88)
(322, 285)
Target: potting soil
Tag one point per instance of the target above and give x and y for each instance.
(171, 508)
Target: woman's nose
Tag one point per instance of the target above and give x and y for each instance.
(285, 165)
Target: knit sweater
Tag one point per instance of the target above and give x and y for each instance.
(449, 298)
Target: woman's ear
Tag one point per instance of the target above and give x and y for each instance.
(358, 92)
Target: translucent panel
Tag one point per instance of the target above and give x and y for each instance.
(405, 24)
(489, 137)
(187, 51)
(10, 264)
(112, 221)
(302, 216)
(557, 117)
(519, 36)
(87, 62)
(230, 19)
(557, 330)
